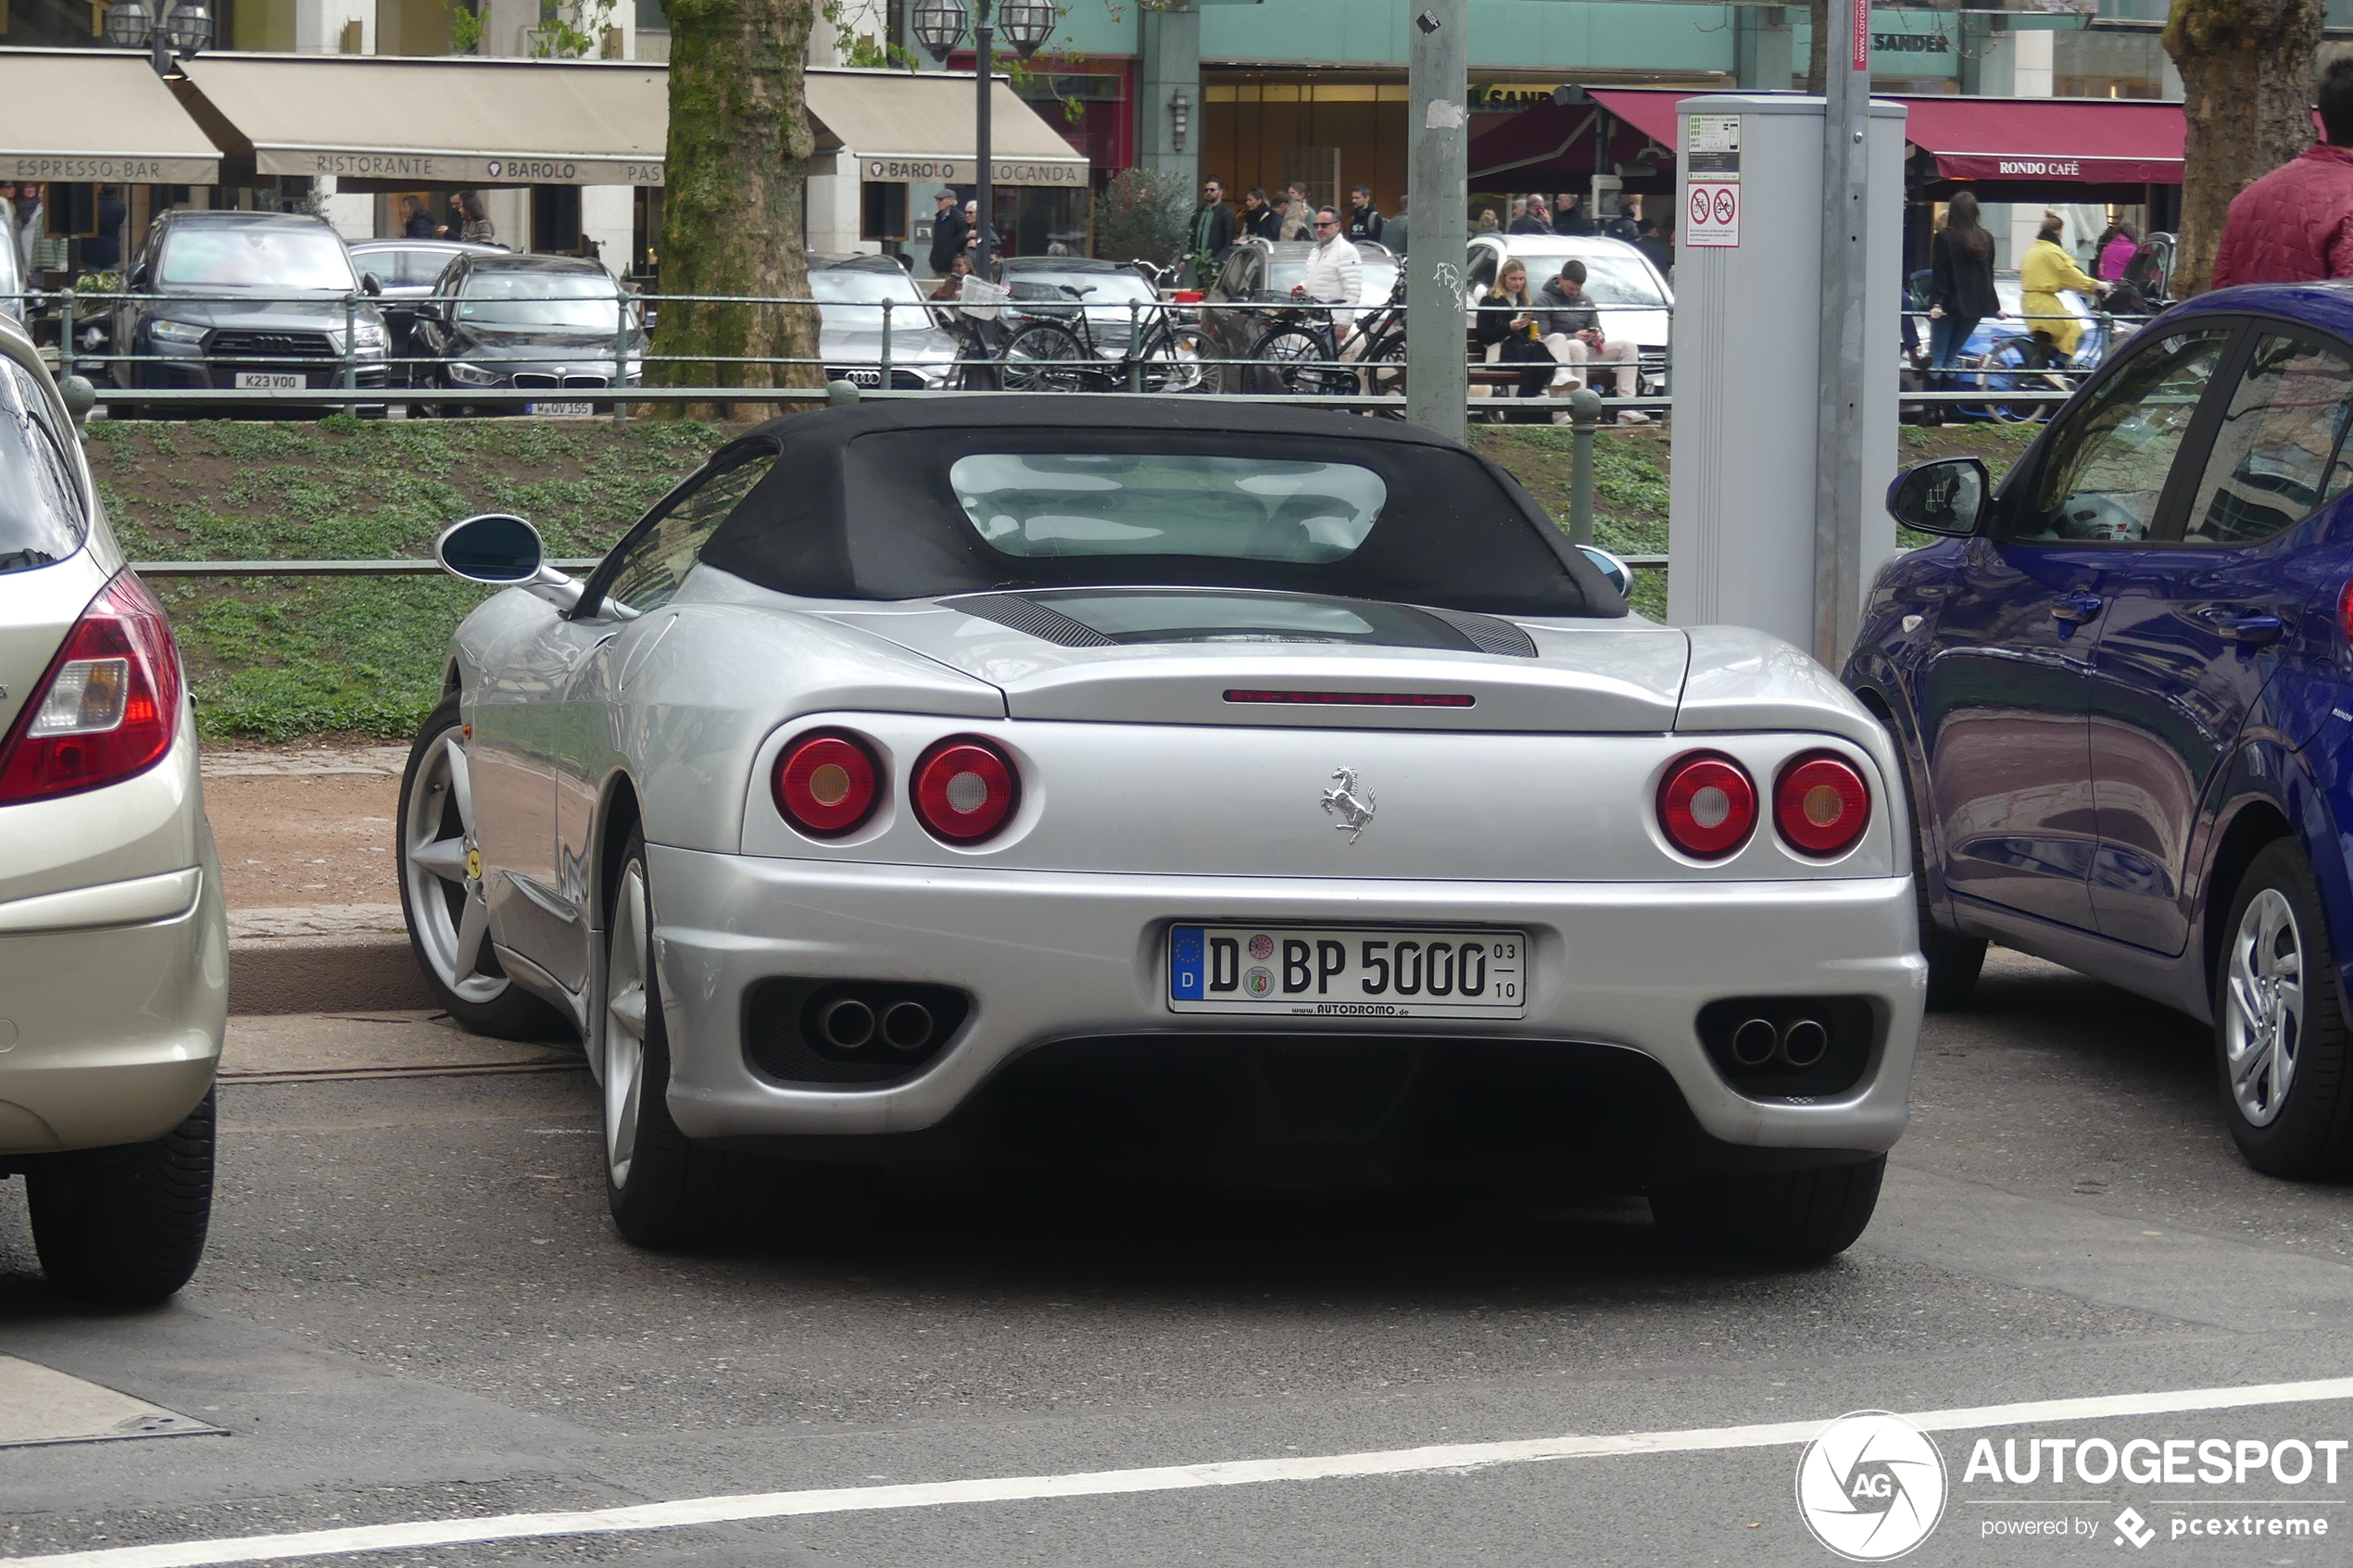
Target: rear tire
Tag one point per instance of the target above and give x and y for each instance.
(125, 1226)
(666, 1191)
(1806, 1216)
(2279, 1036)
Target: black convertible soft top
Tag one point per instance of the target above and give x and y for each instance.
(859, 507)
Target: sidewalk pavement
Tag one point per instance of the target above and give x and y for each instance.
(310, 866)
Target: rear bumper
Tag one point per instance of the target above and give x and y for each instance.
(114, 962)
(1052, 957)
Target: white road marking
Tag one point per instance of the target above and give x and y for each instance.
(1167, 1478)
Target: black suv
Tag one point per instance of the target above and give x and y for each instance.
(246, 300)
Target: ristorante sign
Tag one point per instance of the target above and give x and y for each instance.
(516, 169)
(964, 170)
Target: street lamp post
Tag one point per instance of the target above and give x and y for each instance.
(939, 27)
(184, 31)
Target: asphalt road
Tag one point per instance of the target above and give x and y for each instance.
(414, 1310)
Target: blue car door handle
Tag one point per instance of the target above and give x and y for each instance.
(2242, 625)
(2075, 609)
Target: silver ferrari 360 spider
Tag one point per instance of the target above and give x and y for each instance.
(1274, 797)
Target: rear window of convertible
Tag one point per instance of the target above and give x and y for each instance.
(919, 510)
(1167, 504)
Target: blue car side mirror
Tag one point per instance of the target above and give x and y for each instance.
(1947, 496)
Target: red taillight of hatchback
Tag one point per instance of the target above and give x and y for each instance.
(1707, 805)
(965, 788)
(108, 706)
(1822, 805)
(826, 783)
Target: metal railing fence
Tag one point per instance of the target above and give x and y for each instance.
(1181, 347)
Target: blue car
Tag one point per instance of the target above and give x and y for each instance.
(2123, 683)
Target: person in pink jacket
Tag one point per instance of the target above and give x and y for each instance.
(2117, 254)
(2296, 224)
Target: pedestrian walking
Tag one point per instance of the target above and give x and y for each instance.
(1961, 284)
(1507, 324)
(1261, 219)
(102, 252)
(1392, 232)
(2115, 252)
(2296, 224)
(1335, 273)
(416, 223)
(1568, 215)
(32, 223)
(1570, 329)
(1213, 230)
(973, 235)
(1299, 215)
(1656, 241)
(947, 233)
(1363, 219)
(1536, 219)
(474, 226)
(1488, 222)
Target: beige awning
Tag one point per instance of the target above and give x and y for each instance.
(439, 121)
(896, 125)
(97, 114)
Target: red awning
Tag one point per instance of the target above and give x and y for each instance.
(2062, 141)
(1652, 113)
(2095, 140)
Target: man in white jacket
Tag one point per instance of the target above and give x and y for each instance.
(1335, 273)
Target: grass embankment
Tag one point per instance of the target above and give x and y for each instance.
(272, 659)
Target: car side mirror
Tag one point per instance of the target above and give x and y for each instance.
(500, 550)
(425, 310)
(1621, 576)
(1947, 496)
(138, 279)
(372, 285)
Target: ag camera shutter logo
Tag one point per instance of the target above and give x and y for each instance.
(1871, 1487)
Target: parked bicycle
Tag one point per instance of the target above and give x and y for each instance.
(1305, 354)
(1058, 349)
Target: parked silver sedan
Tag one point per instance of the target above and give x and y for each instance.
(1265, 796)
(113, 952)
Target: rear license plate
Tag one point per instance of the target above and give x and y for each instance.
(563, 410)
(269, 381)
(1354, 972)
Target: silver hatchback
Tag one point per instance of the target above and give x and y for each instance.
(113, 944)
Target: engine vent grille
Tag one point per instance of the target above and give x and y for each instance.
(1487, 632)
(1024, 615)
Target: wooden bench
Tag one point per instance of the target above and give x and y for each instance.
(1481, 373)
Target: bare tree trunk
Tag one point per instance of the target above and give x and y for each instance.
(2247, 75)
(1817, 54)
(732, 219)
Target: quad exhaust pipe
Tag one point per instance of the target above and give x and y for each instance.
(1800, 1043)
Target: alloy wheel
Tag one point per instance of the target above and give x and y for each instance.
(624, 1022)
(442, 868)
(2263, 1033)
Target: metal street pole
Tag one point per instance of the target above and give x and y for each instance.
(1838, 455)
(1437, 374)
(983, 57)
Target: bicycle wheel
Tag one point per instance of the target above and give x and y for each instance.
(1292, 355)
(1044, 357)
(2015, 366)
(1173, 360)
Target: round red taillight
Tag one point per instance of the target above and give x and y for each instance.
(1822, 805)
(1707, 805)
(826, 783)
(964, 789)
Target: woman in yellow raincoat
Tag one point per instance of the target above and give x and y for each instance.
(2045, 270)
